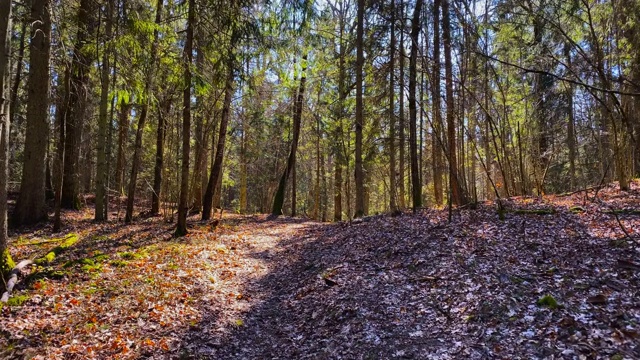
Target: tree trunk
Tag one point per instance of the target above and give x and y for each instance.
(31, 207)
(359, 174)
(337, 194)
(5, 122)
(392, 117)
(199, 165)
(436, 129)
(123, 133)
(183, 204)
(148, 91)
(457, 196)
(163, 113)
(61, 115)
(77, 102)
(215, 177)
(278, 200)
(416, 187)
(102, 173)
(401, 124)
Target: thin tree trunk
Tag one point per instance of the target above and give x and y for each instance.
(416, 187)
(337, 195)
(278, 200)
(401, 124)
(183, 204)
(103, 121)
(392, 117)
(31, 207)
(457, 196)
(148, 91)
(199, 166)
(123, 133)
(215, 176)
(163, 113)
(62, 109)
(5, 122)
(359, 174)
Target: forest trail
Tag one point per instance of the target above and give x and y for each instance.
(557, 277)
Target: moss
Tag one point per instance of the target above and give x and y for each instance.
(548, 301)
(118, 263)
(576, 209)
(17, 300)
(67, 242)
(617, 357)
(6, 263)
(129, 255)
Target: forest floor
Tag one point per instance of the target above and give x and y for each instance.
(559, 278)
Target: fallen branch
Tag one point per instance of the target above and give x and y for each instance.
(13, 279)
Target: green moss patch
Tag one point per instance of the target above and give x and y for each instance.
(548, 301)
(67, 242)
(17, 300)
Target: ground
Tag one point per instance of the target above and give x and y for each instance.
(557, 278)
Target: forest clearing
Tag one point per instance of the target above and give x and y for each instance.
(557, 278)
(320, 179)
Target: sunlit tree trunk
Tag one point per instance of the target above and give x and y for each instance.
(183, 203)
(457, 195)
(5, 122)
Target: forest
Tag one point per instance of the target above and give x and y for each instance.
(339, 179)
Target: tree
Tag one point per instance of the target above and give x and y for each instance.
(102, 174)
(183, 204)
(216, 169)
(416, 186)
(457, 196)
(30, 207)
(146, 99)
(393, 206)
(359, 174)
(81, 61)
(436, 128)
(5, 122)
(278, 200)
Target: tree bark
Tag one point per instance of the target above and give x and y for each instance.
(77, 102)
(359, 174)
(102, 173)
(278, 200)
(148, 91)
(31, 207)
(436, 129)
(161, 131)
(457, 195)
(183, 204)
(5, 122)
(393, 206)
(416, 186)
(123, 133)
(215, 177)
